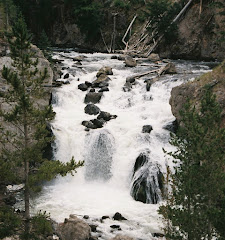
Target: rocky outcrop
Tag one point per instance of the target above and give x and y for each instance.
(74, 229)
(194, 91)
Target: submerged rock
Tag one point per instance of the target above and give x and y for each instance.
(66, 75)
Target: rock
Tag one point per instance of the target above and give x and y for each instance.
(158, 235)
(103, 84)
(83, 87)
(92, 90)
(130, 79)
(74, 229)
(66, 75)
(92, 109)
(172, 126)
(114, 226)
(93, 97)
(104, 217)
(105, 71)
(105, 115)
(85, 217)
(89, 84)
(98, 123)
(127, 87)
(114, 57)
(168, 69)
(9, 200)
(93, 227)
(79, 58)
(154, 57)
(88, 124)
(100, 80)
(121, 57)
(141, 160)
(118, 216)
(147, 129)
(130, 62)
(148, 84)
(66, 82)
(122, 237)
(104, 89)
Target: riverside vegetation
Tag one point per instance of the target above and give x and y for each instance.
(195, 205)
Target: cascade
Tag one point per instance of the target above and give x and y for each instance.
(123, 165)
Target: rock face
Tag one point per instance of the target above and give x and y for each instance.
(194, 90)
(74, 229)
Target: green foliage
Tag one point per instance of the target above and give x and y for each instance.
(121, 4)
(195, 208)
(41, 225)
(44, 42)
(11, 13)
(8, 221)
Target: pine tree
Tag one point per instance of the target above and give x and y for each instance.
(198, 183)
(24, 135)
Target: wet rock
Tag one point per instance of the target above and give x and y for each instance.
(93, 97)
(104, 71)
(147, 129)
(158, 235)
(114, 57)
(88, 124)
(104, 89)
(89, 84)
(121, 57)
(73, 229)
(122, 237)
(66, 75)
(130, 79)
(154, 57)
(104, 217)
(101, 79)
(141, 160)
(92, 90)
(106, 116)
(130, 62)
(172, 126)
(103, 84)
(85, 217)
(98, 123)
(115, 227)
(91, 109)
(168, 69)
(127, 87)
(79, 58)
(93, 227)
(148, 84)
(118, 216)
(83, 87)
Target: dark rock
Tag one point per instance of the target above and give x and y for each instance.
(79, 58)
(9, 200)
(66, 75)
(104, 71)
(148, 84)
(121, 57)
(103, 84)
(64, 68)
(104, 115)
(130, 79)
(154, 57)
(92, 90)
(115, 226)
(98, 123)
(147, 129)
(89, 84)
(93, 227)
(92, 109)
(93, 238)
(83, 87)
(140, 161)
(104, 89)
(158, 235)
(130, 62)
(172, 126)
(123, 237)
(101, 79)
(89, 124)
(169, 69)
(114, 57)
(127, 87)
(105, 217)
(118, 217)
(66, 82)
(57, 84)
(93, 97)
(86, 217)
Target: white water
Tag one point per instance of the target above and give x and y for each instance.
(89, 192)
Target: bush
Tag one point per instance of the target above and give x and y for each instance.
(121, 4)
(8, 221)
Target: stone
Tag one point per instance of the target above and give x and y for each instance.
(103, 84)
(88, 124)
(79, 58)
(98, 123)
(122, 237)
(127, 87)
(105, 217)
(148, 84)
(66, 75)
(171, 126)
(114, 57)
(101, 79)
(93, 227)
(105, 71)
(92, 90)
(170, 68)
(121, 57)
(130, 62)
(74, 229)
(141, 160)
(83, 87)
(154, 57)
(114, 226)
(157, 235)
(118, 216)
(91, 109)
(130, 79)
(104, 89)
(93, 97)
(89, 84)
(85, 217)
(147, 129)
(104, 115)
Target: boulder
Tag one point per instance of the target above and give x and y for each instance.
(103, 84)
(104, 89)
(141, 160)
(89, 124)
(147, 129)
(117, 227)
(118, 216)
(93, 97)
(104, 217)
(121, 57)
(105, 71)
(98, 123)
(79, 58)
(83, 87)
(74, 229)
(89, 84)
(66, 75)
(100, 80)
(122, 237)
(127, 87)
(130, 62)
(92, 90)
(114, 57)
(171, 126)
(168, 69)
(91, 109)
(154, 57)
(130, 79)
(106, 116)
(148, 84)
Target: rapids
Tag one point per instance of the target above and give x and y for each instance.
(103, 185)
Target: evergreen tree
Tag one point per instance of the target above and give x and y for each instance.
(24, 134)
(198, 183)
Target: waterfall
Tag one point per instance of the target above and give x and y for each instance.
(124, 166)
